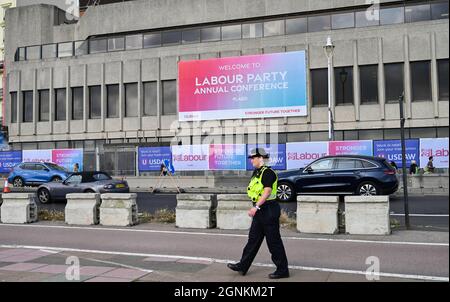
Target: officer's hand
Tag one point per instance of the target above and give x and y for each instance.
(252, 212)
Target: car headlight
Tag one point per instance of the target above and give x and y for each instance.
(109, 187)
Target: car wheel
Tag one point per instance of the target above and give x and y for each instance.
(89, 191)
(18, 182)
(56, 179)
(368, 188)
(44, 196)
(286, 192)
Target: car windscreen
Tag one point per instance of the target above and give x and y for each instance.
(56, 167)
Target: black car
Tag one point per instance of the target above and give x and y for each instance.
(339, 175)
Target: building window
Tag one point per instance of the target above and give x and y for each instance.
(133, 42)
(150, 98)
(393, 81)
(77, 103)
(439, 10)
(169, 93)
(231, 32)
(319, 23)
(65, 50)
(49, 51)
(98, 46)
(33, 53)
(421, 81)
(210, 34)
(95, 102)
(343, 78)
(60, 104)
(152, 40)
(112, 101)
(443, 79)
(319, 81)
(369, 84)
(22, 54)
(13, 107)
(251, 31)
(171, 38)
(81, 48)
(416, 13)
(392, 15)
(191, 36)
(44, 105)
(344, 20)
(131, 100)
(296, 26)
(116, 44)
(367, 18)
(274, 28)
(27, 106)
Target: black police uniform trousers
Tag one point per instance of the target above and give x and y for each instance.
(266, 223)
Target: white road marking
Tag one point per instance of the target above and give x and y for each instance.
(422, 215)
(224, 234)
(294, 267)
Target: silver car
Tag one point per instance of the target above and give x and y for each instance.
(81, 182)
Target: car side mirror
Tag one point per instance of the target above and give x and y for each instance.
(309, 170)
(47, 170)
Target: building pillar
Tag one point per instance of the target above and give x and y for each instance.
(434, 76)
(381, 80)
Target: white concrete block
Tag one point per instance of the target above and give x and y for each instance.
(232, 211)
(367, 215)
(18, 208)
(196, 211)
(118, 209)
(317, 214)
(82, 208)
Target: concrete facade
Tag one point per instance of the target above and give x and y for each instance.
(196, 211)
(317, 214)
(367, 215)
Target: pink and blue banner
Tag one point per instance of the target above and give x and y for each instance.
(271, 85)
(363, 147)
(67, 158)
(277, 155)
(227, 157)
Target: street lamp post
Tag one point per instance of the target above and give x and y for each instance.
(329, 50)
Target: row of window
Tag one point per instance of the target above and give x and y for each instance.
(149, 96)
(394, 83)
(314, 23)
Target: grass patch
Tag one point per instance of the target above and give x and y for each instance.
(50, 215)
(288, 222)
(160, 216)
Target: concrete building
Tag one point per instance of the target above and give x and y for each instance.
(107, 83)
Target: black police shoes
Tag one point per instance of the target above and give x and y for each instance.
(236, 268)
(278, 275)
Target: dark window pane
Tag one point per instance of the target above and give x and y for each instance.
(77, 103)
(421, 81)
(49, 51)
(81, 48)
(133, 42)
(367, 18)
(345, 20)
(319, 81)
(169, 103)
(112, 101)
(33, 53)
(65, 50)
(393, 76)
(393, 15)
(343, 85)
(13, 107)
(319, 23)
(116, 44)
(97, 46)
(43, 105)
(95, 108)
(150, 98)
(274, 28)
(343, 164)
(417, 13)
(27, 106)
(60, 104)
(443, 79)
(152, 40)
(210, 34)
(296, 26)
(369, 84)
(250, 31)
(439, 10)
(131, 100)
(171, 38)
(191, 36)
(231, 32)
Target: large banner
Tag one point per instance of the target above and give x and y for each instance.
(277, 155)
(392, 151)
(9, 159)
(151, 158)
(190, 157)
(271, 85)
(68, 158)
(436, 147)
(37, 155)
(3, 143)
(227, 157)
(351, 148)
(299, 155)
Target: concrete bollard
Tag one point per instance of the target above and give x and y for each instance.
(82, 208)
(232, 211)
(317, 214)
(19, 208)
(367, 215)
(196, 211)
(118, 209)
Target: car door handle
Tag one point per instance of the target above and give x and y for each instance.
(357, 172)
(328, 173)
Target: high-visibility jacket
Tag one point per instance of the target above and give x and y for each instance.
(255, 188)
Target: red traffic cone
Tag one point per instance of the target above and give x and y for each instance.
(6, 188)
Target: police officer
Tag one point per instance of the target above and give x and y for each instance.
(266, 218)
